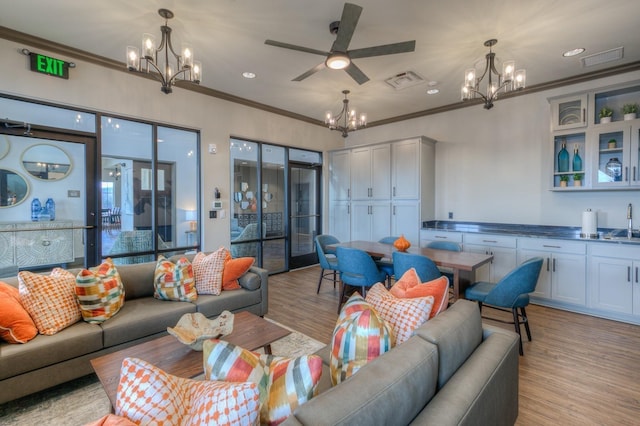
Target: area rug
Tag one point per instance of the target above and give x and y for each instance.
(83, 400)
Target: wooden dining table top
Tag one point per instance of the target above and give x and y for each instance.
(462, 260)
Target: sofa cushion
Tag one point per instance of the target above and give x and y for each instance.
(410, 285)
(284, 383)
(207, 269)
(148, 395)
(390, 390)
(50, 300)
(212, 306)
(403, 315)
(250, 281)
(16, 326)
(456, 332)
(137, 280)
(79, 339)
(100, 292)
(174, 281)
(143, 317)
(360, 336)
(234, 269)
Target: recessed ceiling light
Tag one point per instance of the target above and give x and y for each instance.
(432, 83)
(573, 52)
(433, 91)
(248, 74)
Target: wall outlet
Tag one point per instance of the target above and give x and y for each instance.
(450, 215)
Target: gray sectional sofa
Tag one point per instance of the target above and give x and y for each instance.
(46, 361)
(453, 371)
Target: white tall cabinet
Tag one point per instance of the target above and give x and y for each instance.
(381, 190)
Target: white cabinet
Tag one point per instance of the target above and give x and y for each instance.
(569, 112)
(370, 221)
(616, 142)
(503, 249)
(405, 170)
(614, 278)
(340, 220)
(371, 172)
(429, 235)
(405, 220)
(340, 175)
(563, 274)
(37, 243)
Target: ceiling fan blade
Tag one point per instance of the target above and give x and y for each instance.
(348, 21)
(294, 47)
(356, 73)
(387, 49)
(310, 72)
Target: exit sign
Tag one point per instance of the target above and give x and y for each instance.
(47, 65)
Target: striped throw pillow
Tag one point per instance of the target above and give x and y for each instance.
(284, 383)
(100, 292)
(174, 281)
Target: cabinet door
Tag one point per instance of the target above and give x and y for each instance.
(504, 261)
(380, 169)
(568, 283)
(45, 246)
(611, 287)
(483, 273)
(405, 220)
(569, 112)
(380, 220)
(543, 288)
(360, 221)
(340, 220)
(612, 165)
(7, 245)
(405, 170)
(340, 175)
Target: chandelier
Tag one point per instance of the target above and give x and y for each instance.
(509, 80)
(184, 67)
(347, 120)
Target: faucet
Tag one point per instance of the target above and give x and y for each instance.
(629, 218)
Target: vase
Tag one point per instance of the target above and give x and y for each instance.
(401, 244)
(577, 160)
(612, 144)
(605, 120)
(36, 207)
(614, 169)
(577, 183)
(563, 184)
(630, 116)
(563, 159)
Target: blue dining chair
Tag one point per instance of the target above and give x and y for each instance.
(328, 261)
(357, 269)
(426, 269)
(384, 264)
(445, 245)
(511, 293)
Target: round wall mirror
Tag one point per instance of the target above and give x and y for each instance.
(46, 162)
(14, 188)
(5, 144)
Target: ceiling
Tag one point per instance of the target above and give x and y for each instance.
(228, 38)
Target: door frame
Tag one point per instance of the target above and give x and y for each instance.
(308, 259)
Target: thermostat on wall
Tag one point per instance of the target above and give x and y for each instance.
(216, 205)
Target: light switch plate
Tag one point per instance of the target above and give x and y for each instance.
(213, 148)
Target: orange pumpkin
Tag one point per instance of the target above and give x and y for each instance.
(402, 244)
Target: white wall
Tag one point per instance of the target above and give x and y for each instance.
(122, 93)
(495, 165)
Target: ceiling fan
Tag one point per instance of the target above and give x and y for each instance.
(340, 57)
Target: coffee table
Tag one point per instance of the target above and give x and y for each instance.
(167, 353)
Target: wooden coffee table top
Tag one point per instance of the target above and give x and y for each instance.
(167, 353)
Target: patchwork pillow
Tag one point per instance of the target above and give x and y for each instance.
(16, 326)
(174, 281)
(148, 395)
(50, 300)
(403, 315)
(100, 292)
(284, 383)
(409, 286)
(360, 336)
(234, 269)
(207, 270)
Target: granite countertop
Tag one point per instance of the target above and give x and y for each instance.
(607, 235)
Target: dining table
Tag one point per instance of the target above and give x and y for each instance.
(463, 264)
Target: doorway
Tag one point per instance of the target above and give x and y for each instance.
(305, 213)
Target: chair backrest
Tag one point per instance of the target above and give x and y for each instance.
(388, 240)
(426, 269)
(444, 245)
(358, 264)
(325, 240)
(321, 242)
(520, 281)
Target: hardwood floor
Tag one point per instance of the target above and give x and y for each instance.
(578, 370)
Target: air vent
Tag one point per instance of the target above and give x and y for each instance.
(603, 57)
(404, 80)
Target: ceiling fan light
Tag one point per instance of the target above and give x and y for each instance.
(337, 61)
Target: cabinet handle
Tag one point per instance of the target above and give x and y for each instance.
(348, 193)
(490, 241)
(349, 209)
(636, 274)
(634, 173)
(46, 243)
(629, 273)
(626, 173)
(545, 245)
(554, 264)
(394, 191)
(547, 264)
(439, 236)
(584, 115)
(394, 210)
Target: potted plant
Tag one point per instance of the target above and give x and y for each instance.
(577, 179)
(630, 111)
(563, 180)
(605, 114)
(612, 143)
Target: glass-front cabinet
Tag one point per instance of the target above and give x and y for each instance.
(617, 156)
(570, 160)
(569, 112)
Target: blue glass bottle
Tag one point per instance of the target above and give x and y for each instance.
(577, 161)
(50, 205)
(563, 159)
(36, 207)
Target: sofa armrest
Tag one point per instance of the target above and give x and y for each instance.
(248, 281)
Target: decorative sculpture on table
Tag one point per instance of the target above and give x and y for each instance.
(194, 328)
(402, 244)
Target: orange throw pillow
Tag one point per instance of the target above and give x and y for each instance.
(409, 287)
(16, 326)
(234, 269)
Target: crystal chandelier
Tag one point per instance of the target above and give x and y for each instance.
(184, 67)
(509, 80)
(347, 120)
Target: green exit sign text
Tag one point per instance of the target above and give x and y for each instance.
(47, 65)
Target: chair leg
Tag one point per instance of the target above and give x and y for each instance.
(320, 280)
(480, 306)
(342, 293)
(334, 279)
(516, 322)
(525, 320)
